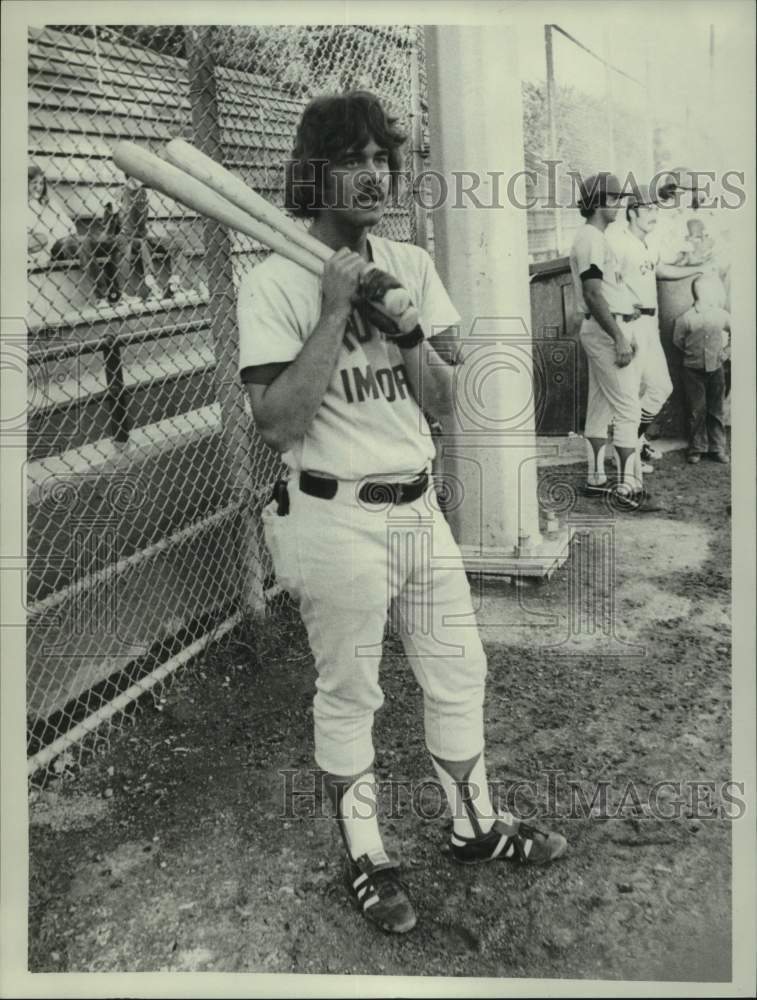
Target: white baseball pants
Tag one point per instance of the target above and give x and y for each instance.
(344, 562)
(613, 396)
(656, 385)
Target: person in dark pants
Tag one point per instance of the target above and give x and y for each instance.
(53, 236)
(701, 333)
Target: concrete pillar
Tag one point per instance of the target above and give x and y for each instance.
(489, 448)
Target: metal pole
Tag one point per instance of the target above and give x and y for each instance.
(418, 151)
(609, 103)
(206, 125)
(552, 129)
(118, 416)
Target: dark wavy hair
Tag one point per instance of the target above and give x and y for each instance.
(35, 171)
(332, 126)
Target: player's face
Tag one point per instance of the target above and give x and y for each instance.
(647, 218)
(610, 209)
(36, 187)
(359, 185)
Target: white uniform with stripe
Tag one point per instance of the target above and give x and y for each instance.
(613, 395)
(638, 260)
(345, 560)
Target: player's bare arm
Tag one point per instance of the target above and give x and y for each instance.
(672, 272)
(599, 309)
(284, 409)
(431, 378)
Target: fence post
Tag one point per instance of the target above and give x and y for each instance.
(417, 163)
(206, 127)
(118, 414)
(552, 129)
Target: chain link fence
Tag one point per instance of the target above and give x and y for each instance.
(145, 475)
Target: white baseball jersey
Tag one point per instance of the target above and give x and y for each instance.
(638, 263)
(591, 249)
(369, 423)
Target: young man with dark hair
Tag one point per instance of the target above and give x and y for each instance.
(611, 350)
(342, 403)
(640, 269)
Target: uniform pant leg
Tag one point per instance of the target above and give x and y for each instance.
(617, 397)
(334, 558)
(598, 412)
(656, 384)
(440, 635)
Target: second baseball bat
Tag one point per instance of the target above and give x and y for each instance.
(164, 177)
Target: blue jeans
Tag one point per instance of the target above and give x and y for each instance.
(705, 392)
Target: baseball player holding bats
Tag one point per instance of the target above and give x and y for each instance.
(342, 399)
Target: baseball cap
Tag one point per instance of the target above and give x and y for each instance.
(677, 179)
(640, 194)
(595, 189)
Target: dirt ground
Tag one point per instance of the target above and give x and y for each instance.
(180, 849)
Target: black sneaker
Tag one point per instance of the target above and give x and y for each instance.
(378, 893)
(510, 842)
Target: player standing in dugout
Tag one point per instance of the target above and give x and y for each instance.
(340, 401)
(612, 352)
(640, 268)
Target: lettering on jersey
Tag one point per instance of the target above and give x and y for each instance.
(356, 330)
(360, 385)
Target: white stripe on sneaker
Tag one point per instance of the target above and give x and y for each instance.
(370, 902)
(362, 891)
(359, 880)
(527, 847)
(510, 850)
(498, 849)
(458, 842)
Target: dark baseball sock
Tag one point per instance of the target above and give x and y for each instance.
(595, 454)
(644, 425)
(627, 472)
(467, 791)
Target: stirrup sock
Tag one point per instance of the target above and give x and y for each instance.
(467, 794)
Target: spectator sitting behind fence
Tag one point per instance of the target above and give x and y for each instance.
(701, 333)
(129, 225)
(53, 236)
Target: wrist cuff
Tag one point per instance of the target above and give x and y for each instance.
(411, 339)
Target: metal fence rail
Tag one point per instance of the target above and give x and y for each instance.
(145, 475)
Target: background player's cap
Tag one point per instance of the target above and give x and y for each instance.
(641, 194)
(677, 179)
(595, 189)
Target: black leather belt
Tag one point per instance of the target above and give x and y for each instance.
(370, 492)
(626, 317)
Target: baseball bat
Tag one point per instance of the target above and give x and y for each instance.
(162, 176)
(203, 168)
(207, 170)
